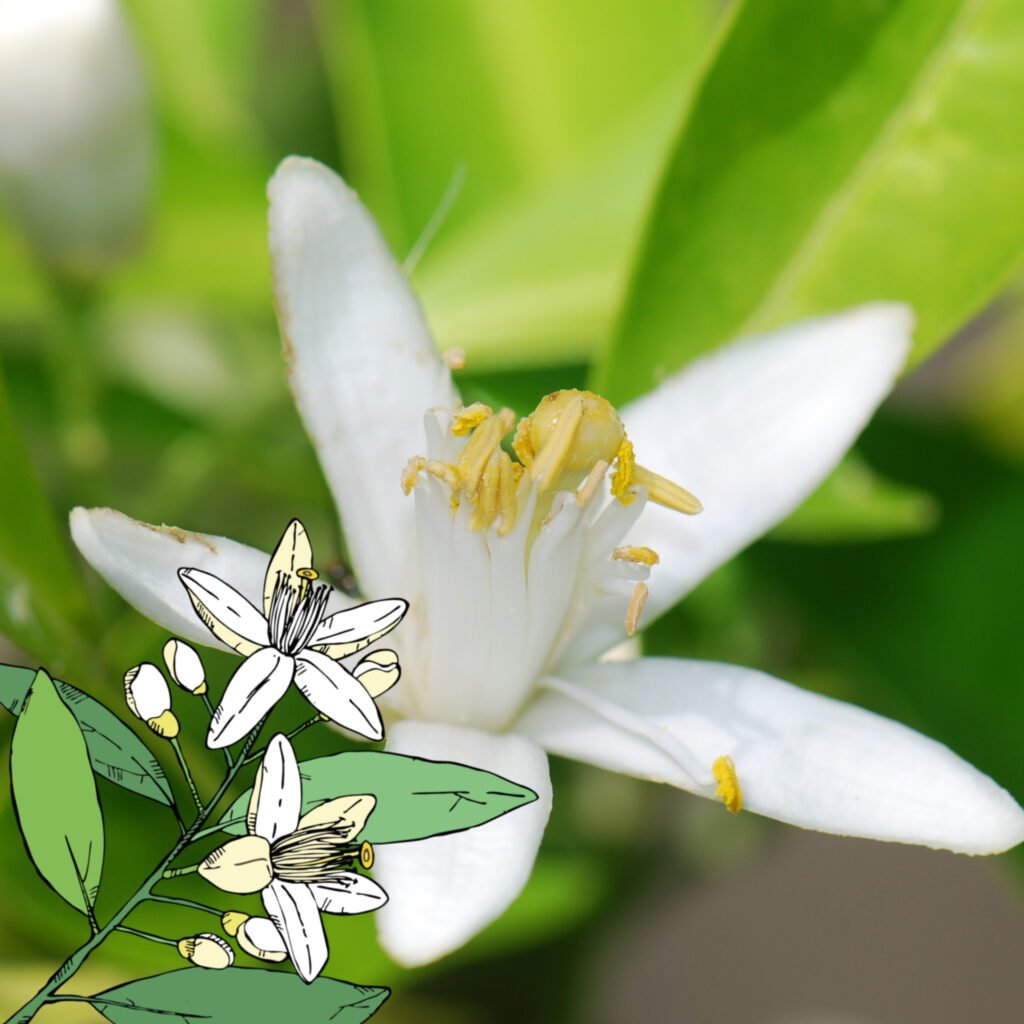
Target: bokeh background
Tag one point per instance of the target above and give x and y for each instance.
(581, 190)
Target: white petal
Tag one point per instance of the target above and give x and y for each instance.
(257, 685)
(363, 366)
(350, 630)
(146, 691)
(445, 890)
(184, 664)
(259, 937)
(335, 692)
(752, 429)
(352, 894)
(346, 815)
(226, 613)
(276, 801)
(141, 563)
(293, 552)
(800, 757)
(293, 909)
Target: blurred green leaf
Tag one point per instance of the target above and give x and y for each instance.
(55, 796)
(41, 594)
(836, 152)
(115, 752)
(237, 993)
(857, 504)
(416, 798)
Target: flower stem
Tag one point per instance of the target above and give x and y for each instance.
(76, 959)
(179, 902)
(178, 872)
(180, 754)
(315, 720)
(145, 935)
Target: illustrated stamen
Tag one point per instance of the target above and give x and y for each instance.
(636, 606)
(728, 791)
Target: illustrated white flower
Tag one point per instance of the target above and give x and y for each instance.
(76, 142)
(185, 666)
(302, 865)
(517, 595)
(149, 699)
(294, 639)
(207, 950)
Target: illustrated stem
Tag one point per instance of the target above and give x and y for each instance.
(180, 754)
(144, 892)
(180, 902)
(178, 872)
(228, 759)
(315, 720)
(149, 936)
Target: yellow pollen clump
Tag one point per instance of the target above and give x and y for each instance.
(411, 471)
(639, 556)
(624, 471)
(521, 443)
(728, 790)
(470, 417)
(636, 606)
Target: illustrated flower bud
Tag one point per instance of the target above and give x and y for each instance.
(76, 139)
(207, 950)
(258, 936)
(149, 699)
(185, 666)
(378, 671)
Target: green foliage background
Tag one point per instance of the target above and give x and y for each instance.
(639, 183)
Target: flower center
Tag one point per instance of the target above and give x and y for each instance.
(296, 610)
(317, 854)
(567, 443)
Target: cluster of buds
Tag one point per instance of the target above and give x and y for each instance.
(149, 696)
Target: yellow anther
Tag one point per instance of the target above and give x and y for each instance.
(521, 443)
(307, 574)
(470, 417)
(454, 358)
(485, 441)
(556, 442)
(487, 496)
(165, 725)
(728, 790)
(443, 471)
(636, 606)
(639, 556)
(625, 468)
(589, 487)
(507, 501)
(366, 856)
(666, 493)
(411, 471)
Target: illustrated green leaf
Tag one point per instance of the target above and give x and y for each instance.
(416, 798)
(115, 752)
(835, 153)
(55, 795)
(238, 994)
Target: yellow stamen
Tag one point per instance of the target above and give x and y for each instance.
(487, 501)
(636, 606)
(589, 487)
(639, 556)
(411, 471)
(666, 493)
(485, 441)
(454, 358)
(557, 446)
(521, 443)
(625, 466)
(366, 856)
(469, 418)
(306, 576)
(728, 790)
(165, 725)
(507, 486)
